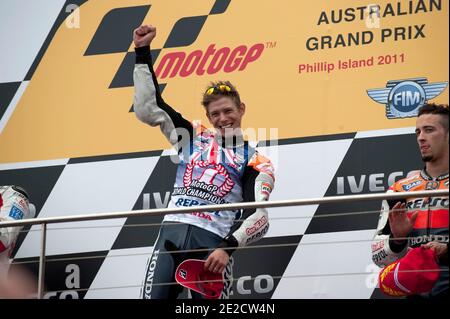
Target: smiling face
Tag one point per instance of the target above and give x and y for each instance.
(432, 137)
(225, 115)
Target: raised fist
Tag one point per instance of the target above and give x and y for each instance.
(144, 35)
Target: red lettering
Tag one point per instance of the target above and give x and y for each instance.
(191, 63)
(233, 62)
(211, 61)
(202, 215)
(170, 59)
(252, 55)
(221, 56)
(377, 246)
(257, 225)
(201, 68)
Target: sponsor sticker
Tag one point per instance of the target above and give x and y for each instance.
(407, 187)
(432, 185)
(15, 213)
(183, 273)
(256, 226)
(377, 246)
(266, 188)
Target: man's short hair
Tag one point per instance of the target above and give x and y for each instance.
(219, 89)
(433, 108)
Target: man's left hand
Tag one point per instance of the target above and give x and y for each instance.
(439, 248)
(217, 261)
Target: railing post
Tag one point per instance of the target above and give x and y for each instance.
(41, 278)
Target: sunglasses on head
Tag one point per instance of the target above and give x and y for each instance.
(222, 88)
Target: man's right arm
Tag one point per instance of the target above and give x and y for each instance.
(149, 106)
(253, 224)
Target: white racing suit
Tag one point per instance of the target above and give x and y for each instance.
(210, 171)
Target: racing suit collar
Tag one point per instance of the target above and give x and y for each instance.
(230, 142)
(427, 177)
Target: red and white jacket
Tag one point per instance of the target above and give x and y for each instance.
(210, 170)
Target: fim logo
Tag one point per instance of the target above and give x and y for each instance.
(403, 98)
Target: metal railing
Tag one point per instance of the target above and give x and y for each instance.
(222, 207)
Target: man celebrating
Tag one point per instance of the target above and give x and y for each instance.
(215, 167)
(420, 222)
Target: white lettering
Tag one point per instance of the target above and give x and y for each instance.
(73, 20)
(269, 284)
(376, 182)
(356, 188)
(73, 279)
(257, 284)
(158, 202)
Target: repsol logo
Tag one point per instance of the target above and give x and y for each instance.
(258, 235)
(377, 182)
(424, 203)
(379, 256)
(209, 61)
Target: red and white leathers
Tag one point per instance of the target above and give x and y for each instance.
(14, 205)
(431, 224)
(210, 170)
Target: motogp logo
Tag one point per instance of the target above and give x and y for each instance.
(403, 98)
(212, 174)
